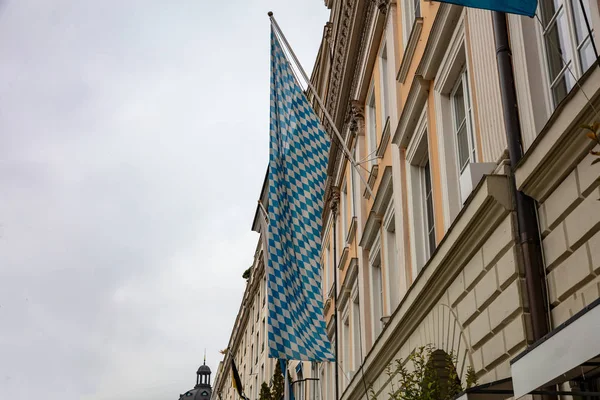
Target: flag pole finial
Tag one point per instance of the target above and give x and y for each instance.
(270, 14)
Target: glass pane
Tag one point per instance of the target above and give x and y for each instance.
(463, 147)
(580, 26)
(562, 87)
(558, 45)
(586, 55)
(417, 8)
(548, 9)
(459, 106)
(431, 241)
(427, 179)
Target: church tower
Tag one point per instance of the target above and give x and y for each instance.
(202, 390)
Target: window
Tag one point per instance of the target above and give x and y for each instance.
(421, 206)
(346, 345)
(264, 329)
(411, 11)
(257, 342)
(463, 127)
(343, 214)
(371, 127)
(326, 261)
(377, 289)
(429, 221)
(391, 258)
(383, 63)
(417, 8)
(567, 44)
(300, 377)
(356, 344)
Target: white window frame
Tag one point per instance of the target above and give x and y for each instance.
(574, 65)
(346, 344)
(371, 126)
(409, 16)
(462, 83)
(453, 68)
(390, 256)
(417, 155)
(376, 274)
(344, 213)
(384, 67)
(356, 327)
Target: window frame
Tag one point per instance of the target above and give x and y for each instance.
(376, 277)
(574, 63)
(371, 126)
(462, 82)
(417, 156)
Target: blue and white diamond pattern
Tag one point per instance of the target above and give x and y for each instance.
(297, 174)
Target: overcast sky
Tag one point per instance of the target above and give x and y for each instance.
(133, 146)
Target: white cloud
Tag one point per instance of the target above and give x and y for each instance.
(133, 147)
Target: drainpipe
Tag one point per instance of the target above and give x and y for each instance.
(529, 237)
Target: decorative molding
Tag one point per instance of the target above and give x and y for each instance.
(371, 180)
(441, 32)
(416, 143)
(327, 305)
(483, 212)
(349, 280)
(351, 230)
(370, 231)
(561, 145)
(382, 5)
(417, 97)
(384, 192)
(356, 117)
(411, 46)
(367, 52)
(385, 139)
(343, 257)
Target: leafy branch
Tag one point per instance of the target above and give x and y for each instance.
(426, 374)
(593, 133)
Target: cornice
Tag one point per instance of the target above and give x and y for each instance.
(370, 231)
(385, 139)
(411, 46)
(417, 97)
(440, 34)
(384, 193)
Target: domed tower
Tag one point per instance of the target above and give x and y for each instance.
(202, 390)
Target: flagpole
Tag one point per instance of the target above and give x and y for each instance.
(320, 102)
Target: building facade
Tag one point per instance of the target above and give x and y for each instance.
(432, 252)
(434, 257)
(247, 344)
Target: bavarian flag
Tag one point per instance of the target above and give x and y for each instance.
(298, 152)
(522, 7)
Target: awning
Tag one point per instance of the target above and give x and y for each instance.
(570, 350)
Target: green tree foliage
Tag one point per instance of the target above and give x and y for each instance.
(278, 386)
(426, 375)
(265, 392)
